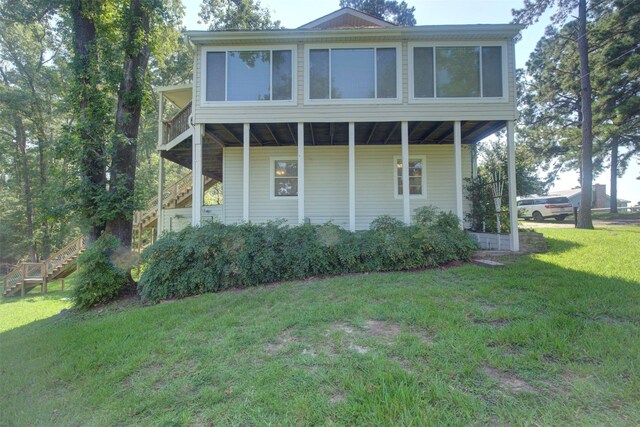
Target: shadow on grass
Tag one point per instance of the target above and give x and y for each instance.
(557, 246)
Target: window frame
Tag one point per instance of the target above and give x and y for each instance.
(423, 159)
(272, 177)
(243, 48)
(479, 99)
(345, 101)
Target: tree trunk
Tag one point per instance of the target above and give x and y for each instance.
(90, 117)
(45, 248)
(21, 140)
(614, 175)
(584, 214)
(130, 96)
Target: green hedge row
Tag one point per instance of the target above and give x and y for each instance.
(216, 256)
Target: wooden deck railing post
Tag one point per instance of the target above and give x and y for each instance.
(24, 275)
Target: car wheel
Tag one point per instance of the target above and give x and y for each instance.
(560, 217)
(537, 216)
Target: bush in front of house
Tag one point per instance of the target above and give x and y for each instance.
(215, 257)
(98, 280)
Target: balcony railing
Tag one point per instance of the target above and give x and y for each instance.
(177, 125)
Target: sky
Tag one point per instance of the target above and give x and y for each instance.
(294, 13)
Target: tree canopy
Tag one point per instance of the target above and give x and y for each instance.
(396, 12)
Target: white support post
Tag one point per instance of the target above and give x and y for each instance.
(406, 200)
(513, 207)
(352, 176)
(196, 177)
(160, 116)
(457, 148)
(160, 192)
(301, 173)
(246, 135)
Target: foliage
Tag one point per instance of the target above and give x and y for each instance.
(236, 15)
(216, 257)
(552, 338)
(396, 12)
(99, 279)
(482, 215)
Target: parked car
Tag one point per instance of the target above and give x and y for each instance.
(539, 208)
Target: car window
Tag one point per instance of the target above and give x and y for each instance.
(558, 200)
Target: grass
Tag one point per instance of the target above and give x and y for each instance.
(550, 339)
(614, 216)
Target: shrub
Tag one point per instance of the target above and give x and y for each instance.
(98, 279)
(216, 257)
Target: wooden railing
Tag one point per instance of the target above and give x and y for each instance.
(170, 198)
(178, 124)
(57, 260)
(34, 270)
(13, 279)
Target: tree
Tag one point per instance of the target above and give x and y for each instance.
(396, 12)
(236, 15)
(531, 12)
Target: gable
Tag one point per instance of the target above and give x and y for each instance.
(346, 18)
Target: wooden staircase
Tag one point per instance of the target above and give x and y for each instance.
(29, 275)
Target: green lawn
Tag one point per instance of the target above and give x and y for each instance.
(550, 339)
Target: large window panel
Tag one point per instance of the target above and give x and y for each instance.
(423, 72)
(249, 73)
(352, 73)
(492, 71)
(458, 72)
(281, 76)
(387, 73)
(216, 70)
(319, 74)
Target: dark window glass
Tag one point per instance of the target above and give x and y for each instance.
(423, 72)
(386, 73)
(492, 71)
(319, 74)
(281, 75)
(216, 69)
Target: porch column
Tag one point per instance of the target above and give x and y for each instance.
(513, 207)
(196, 176)
(246, 136)
(160, 192)
(406, 201)
(160, 115)
(301, 173)
(457, 148)
(352, 176)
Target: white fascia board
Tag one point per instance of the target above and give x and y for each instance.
(436, 32)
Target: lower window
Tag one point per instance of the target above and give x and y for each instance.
(417, 176)
(285, 178)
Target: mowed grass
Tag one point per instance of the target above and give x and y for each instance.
(550, 339)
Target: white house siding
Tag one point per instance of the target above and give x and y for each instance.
(439, 110)
(326, 178)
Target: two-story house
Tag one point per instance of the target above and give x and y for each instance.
(343, 119)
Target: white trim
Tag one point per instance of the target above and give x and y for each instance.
(471, 43)
(352, 176)
(177, 140)
(300, 173)
(511, 169)
(423, 159)
(272, 176)
(457, 155)
(239, 48)
(347, 101)
(159, 213)
(406, 194)
(196, 177)
(246, 148)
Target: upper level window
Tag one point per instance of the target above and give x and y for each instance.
(353, 73)
(249, 75)
(457, 72)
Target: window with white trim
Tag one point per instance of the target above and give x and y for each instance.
(353, 73)
(285, 178)
(417, 176)
(249, 75)
(458, 72)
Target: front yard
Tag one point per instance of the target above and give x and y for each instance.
(551, 339)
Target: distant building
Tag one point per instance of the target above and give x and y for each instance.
(600, 198)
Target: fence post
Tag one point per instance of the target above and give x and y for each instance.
(575, 216)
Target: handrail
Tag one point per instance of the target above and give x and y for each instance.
(177, 124)
(57, 259)
(15, 277)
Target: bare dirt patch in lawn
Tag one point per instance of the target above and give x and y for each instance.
(379, 328)
(338, 397)
(509, 381)
(283, 341)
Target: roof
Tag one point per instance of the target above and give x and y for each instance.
(389, 33)
(346, 18)
(180, 95)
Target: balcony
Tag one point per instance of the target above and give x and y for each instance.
(177, 126)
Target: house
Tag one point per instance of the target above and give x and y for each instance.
(343, 119)
(600, 198)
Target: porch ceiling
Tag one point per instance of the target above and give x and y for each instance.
(366, 133)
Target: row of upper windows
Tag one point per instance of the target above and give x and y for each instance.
(355, 74)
